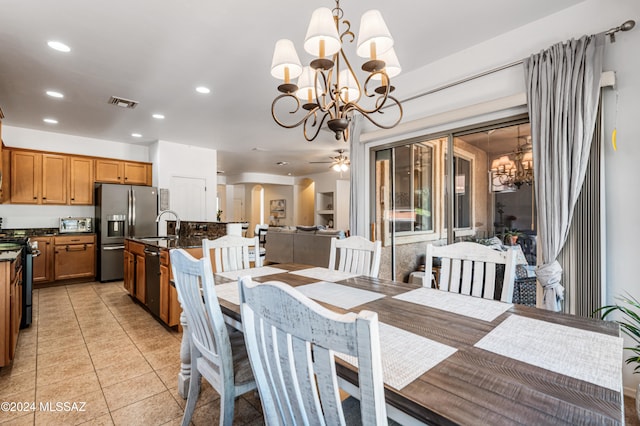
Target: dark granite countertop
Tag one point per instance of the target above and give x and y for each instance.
(182, 242)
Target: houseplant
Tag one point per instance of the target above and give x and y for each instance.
(629, 308)
(510, 236)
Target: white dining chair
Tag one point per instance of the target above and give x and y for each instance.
(232, 252)
(356, 255)
(470, 268)
(292, 340)
(216, 355)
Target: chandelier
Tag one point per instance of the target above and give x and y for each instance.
(515, 169)
(328, 89)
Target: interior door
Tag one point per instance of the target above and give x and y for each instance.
(188, 197)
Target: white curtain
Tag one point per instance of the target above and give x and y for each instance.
(357, 174)
(562, 94)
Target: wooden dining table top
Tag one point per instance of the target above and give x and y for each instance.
(473, 385)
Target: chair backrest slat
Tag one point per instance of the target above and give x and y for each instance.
(470, 268)
(291, 341)
(357, 255)
(231, 252)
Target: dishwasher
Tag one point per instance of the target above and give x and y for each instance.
(152, 278)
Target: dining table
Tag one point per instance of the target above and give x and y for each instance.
(455, 359)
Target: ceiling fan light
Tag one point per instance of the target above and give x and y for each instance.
(336, 167)
(374, 37)
(285, 64)
(322, 28)
(344, 167)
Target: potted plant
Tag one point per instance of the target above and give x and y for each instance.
(510, 236)
(629, 308)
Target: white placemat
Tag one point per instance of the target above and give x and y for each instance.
(228, 292)
(475, 307)
(253, 272)
(339, 295)
(405, 356)
(324, 274)
(581, 354)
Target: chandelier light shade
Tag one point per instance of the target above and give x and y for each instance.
(285, 64)
(374, 37)
(322, 35)
(329, 90)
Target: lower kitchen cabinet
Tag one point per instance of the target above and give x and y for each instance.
(10, 308)
(74, 257)
(134, 270)
(43, 263)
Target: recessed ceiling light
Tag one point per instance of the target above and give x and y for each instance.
(158, 116)
(55, 94)
(59, 46)
(202, 89)
(136, 135)
(50, 120)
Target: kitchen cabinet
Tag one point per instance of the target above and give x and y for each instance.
(129, 269)
(5, 161)
(124, 172)
(164, 286)
(134, 270)
(38, 178)
(10, 308)
(74, 256)
(43, 264)
(81, 181)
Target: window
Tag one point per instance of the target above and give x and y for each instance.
(404, 189)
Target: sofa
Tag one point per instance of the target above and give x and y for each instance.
(308, 245)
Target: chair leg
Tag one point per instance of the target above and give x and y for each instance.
(227, 403)
(194, 388)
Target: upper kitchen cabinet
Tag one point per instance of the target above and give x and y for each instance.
(124, 172)
(38, 178)
(81, 181)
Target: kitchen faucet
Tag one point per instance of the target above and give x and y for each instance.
(177, 220)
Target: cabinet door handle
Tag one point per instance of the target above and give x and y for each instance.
(68, 248)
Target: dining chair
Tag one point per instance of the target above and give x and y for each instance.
(292, 340)
(356, 255)
(216, 355)
(470, 268)
(232, 252)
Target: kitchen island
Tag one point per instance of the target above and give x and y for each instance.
(147, 272)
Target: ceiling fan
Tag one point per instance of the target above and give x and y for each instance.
(339, 163)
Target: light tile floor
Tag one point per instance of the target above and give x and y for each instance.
(91, 343)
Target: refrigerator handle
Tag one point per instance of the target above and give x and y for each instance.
(130, 212)
(133, 211)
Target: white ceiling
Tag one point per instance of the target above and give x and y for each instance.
(157, 51)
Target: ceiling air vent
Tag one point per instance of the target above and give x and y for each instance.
(122, 102)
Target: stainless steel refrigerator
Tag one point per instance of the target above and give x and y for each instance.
(122, 211)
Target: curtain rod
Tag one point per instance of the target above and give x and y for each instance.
(626, 26)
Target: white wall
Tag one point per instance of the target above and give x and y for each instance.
(171, 159)
(622, 198)
(26, 216)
